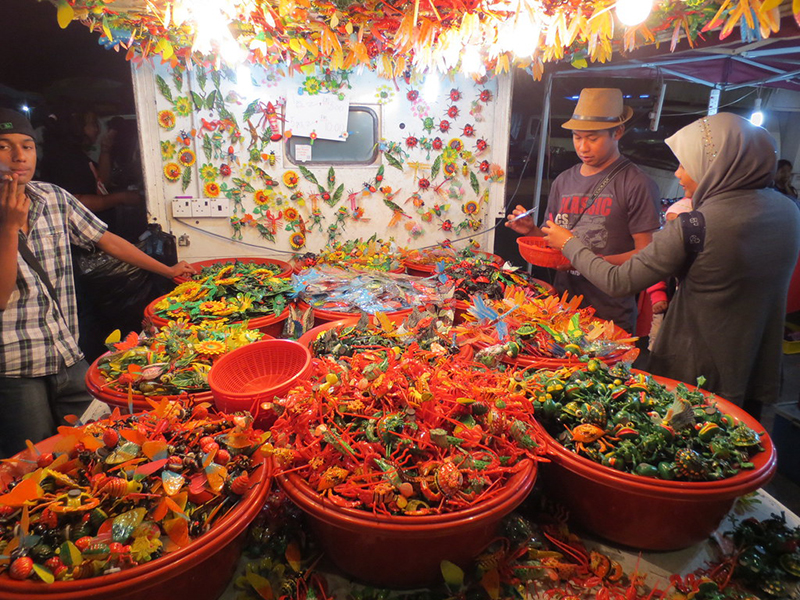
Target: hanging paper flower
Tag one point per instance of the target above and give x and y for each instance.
(166, 119)
(470, 207)
(297, 241)
(225, 170)
(452, 112)
(211, 190)
(485, 96)
(384, 94)
(455, 95)
(290, 214)
(182, 106)
(167, 150)
(437, 143)
(456, 144)
(172, 171)
(311, 86)
(423, 184)
(261, 197)
(444, 126)
(468, 131)
(412, 95)
(291, 179)
(411, 142)
(208, 172)
(186, 157)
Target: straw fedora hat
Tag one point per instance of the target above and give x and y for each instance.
(599, 108)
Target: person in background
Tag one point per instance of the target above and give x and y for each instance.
(734, 255)
(42, 369)
(660, 292)
(624, 215)
(783, 179)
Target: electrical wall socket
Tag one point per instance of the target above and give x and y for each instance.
(219, 207)
(182, 207)
(201, 208)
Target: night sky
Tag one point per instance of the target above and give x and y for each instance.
(36, 55)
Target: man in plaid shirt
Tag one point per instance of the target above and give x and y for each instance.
(41, 367)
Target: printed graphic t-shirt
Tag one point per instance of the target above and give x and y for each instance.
(629, 204)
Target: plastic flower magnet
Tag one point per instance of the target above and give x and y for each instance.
(291, 214)
(211, 190)
(208, 172)
(384, 94)
(166, 119)
(167, 150)
(470, 207)
(261, 197)
(456, 144)
(297, 241)
(182, 106)
(186, 157)
(291, 179)
(172, 171)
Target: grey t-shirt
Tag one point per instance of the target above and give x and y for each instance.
(629, 204)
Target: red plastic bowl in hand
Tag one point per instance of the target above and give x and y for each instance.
(646, 513)
(405, 551)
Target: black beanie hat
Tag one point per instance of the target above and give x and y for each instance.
(13, 122)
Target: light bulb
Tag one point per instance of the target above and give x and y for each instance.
(757, 118)
(471, 61)
(633, 12)
(430, 90)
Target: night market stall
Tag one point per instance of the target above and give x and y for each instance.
(404, 456)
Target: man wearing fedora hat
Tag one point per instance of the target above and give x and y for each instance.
(611, 204)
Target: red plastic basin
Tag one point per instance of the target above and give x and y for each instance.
(326, 316)
(201, 570)
(419, 269)
(286, 268)
(403, 551)
(646, 513)
(271, 325)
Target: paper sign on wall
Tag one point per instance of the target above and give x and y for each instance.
(322, 114)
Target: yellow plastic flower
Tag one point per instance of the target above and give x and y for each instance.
(224, 272)
(290, 214)
(261, 197)
(211, 189)
(297, 241)
(187, 157)
(208, 172)
(211, 306)
(244, 303)
(162, 305)
(166, 119)
(183, 106)
(167, 150)
(172, 171)
(186, 291)
(210, 347)
(228, 280)
(291, 179)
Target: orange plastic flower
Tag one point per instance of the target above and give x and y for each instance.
(211, 190)
(297, 241)
(291, 179)
(166, 119)
(172, 171)
(261, 197)
(187, 157)
(290, 214)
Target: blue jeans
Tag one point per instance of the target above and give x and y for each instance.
(32, 407)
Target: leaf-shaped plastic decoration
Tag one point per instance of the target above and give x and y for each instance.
(135, 436)
(173, 482)
(178, 531)
(197, 483)
(260, 584)
(65, 14)
(155, 450)
(437, 165)
(124, 524)
(163, 87)
(44, 573)
(160, 511)
(25, 491)
(131, 341)
(293, 556)
(393, 161)
(217, 474)
(146, 469)
(453, 575)
(491, 583)
(473, 181)
(186, 178)
(337, 195)
(69, 554)
(308, 175)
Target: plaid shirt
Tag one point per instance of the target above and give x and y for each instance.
(36, 338)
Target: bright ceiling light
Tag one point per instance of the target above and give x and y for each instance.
(757, 118)
(633, 12)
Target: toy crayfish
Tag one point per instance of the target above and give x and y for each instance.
(121, 492)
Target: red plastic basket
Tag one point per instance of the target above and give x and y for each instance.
(286, 268)
(256, 373)
(536, 251)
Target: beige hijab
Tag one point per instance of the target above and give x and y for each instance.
(725, 152)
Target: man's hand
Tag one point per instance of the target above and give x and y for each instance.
(182, 269)
(525, 225)
(14, 204)
(556, 235)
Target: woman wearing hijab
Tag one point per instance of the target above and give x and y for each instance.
(725, 322)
